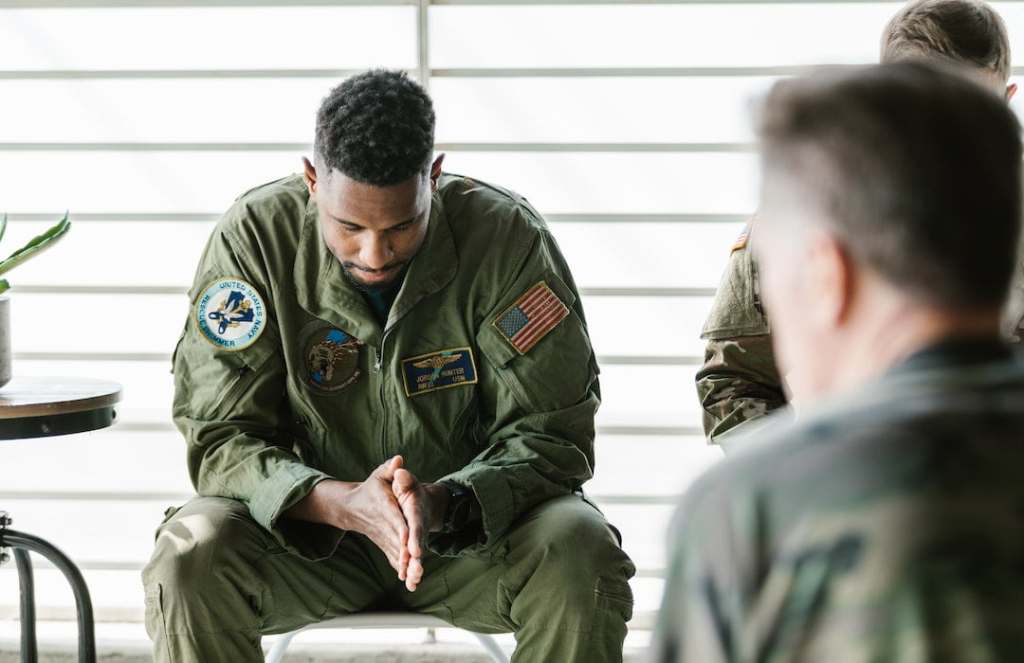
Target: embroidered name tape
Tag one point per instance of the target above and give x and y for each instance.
(531, 317)
(438, 370)
(230, 314)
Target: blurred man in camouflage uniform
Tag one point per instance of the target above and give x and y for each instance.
(739, 380)
(886, 524)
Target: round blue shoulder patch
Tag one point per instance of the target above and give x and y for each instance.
(230, 314)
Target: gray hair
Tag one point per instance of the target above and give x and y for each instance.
(917, 170)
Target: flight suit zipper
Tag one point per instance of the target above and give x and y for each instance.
(379, 368)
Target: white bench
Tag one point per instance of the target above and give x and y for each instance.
(383, 620)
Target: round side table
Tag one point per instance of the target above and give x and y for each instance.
(45, 407)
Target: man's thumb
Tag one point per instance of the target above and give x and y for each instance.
(403, 482)
(387, 470)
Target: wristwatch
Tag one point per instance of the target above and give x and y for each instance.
(460, 508)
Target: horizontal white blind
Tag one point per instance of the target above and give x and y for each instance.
(626, 124)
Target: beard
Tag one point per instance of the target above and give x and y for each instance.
(375, 288)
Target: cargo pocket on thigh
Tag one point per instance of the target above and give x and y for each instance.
(156, 625)
(615, 594)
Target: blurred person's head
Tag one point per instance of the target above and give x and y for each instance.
(890, 209)
(373, 174)
(964, 32)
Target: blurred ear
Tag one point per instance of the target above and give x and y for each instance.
(309, 175)
(830, 282)
(435, 171)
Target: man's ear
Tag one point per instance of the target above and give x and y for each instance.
(435, 171)
(1011, 90)
(309, 175)
(830, 278)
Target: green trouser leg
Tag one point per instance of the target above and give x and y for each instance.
(218, 581)
(558, 580)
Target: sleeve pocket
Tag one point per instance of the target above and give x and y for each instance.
(735, 311)
(555, 373)
(209, 380)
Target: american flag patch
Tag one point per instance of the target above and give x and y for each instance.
(531, 317)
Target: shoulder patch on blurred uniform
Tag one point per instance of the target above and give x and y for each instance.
(438, 370)
(230, 314)
(332, 359)
(741, 241)
(531, 317)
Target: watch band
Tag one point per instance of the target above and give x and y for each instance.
(460, 501)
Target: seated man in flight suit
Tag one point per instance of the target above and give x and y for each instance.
(388, 391)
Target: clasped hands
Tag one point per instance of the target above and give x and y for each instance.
(391, 507)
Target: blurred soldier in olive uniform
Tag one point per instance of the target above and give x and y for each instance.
(388, 393)
(739, 380)
(886, 524)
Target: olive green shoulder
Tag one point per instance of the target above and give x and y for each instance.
(272, 213)
(479, 202)
(737, 309)
(490, 223)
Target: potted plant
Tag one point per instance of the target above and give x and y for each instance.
(36, 246)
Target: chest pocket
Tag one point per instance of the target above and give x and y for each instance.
(327, 360)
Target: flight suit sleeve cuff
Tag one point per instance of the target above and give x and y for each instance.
(278, 493)
(497, 509)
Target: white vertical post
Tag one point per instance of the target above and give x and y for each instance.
(423, 42)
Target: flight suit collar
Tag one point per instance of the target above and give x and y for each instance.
(323, 290)
(432, 269)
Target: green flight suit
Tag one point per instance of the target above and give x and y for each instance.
(458, 380)
(739, 381)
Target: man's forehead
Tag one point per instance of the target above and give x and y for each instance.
(365, 204)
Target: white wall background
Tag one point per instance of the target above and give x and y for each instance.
(626, 124)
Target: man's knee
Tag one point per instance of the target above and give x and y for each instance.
(577, 554)
(198, 541)
(572, 532)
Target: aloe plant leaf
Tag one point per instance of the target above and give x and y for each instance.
(36, 245)
(3, 226)
(59, 229)
(4, 286)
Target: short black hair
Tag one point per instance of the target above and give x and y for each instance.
(965, 31)
(376, 127)
(915, 168)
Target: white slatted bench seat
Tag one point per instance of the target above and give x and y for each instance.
(389, 620)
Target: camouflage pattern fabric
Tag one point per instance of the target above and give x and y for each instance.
(739, 380)
(886, 525)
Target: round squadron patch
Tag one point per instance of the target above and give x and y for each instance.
(230, 314)
(332, 359)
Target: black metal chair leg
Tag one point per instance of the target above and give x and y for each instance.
(86, 627)
(29, 653)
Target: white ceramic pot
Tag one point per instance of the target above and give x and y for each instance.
(5, 340)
